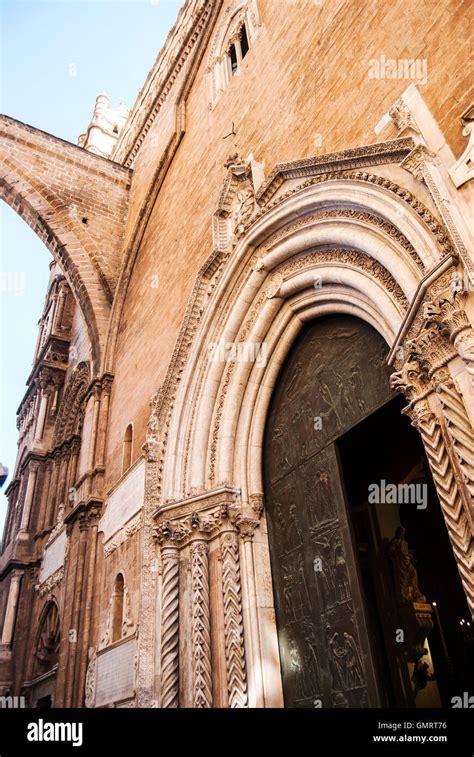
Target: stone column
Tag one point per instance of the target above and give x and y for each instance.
(30, 488)
(247, 528)
(201, 625)
(46, 488)
(52, 494)
(170, 628)
(233, 621)
(425, 378)
(12, 604)
(103, 419)
(41, 416)
(93, 434)
(92, 519)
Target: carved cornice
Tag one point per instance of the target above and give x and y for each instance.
(203, 525)
(51, 582)
(132, 527)
(344, 160)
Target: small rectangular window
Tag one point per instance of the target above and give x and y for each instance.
(244, 41)
(233, 59)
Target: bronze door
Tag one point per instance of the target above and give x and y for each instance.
(335, 376)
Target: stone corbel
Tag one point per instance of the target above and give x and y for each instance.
(416, 161)
(463, 170)
(403, 120)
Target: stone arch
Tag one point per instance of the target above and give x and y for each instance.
(58, 188)
(33, 209)
(372, 245)
(70, 416)
(48, 638)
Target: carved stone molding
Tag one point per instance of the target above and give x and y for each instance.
(447, 440)
(132, 527)
(236, 206)
(370, 219)
(440, 232)
(201, 626)
(181, 529)
(91, 675)
(403, 119)
(51, 582)
(352, 258)
(457, 518)
(415, 161)
(446, 309)
(233, 622)
(463, 170)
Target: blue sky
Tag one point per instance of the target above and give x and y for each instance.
(56, 57)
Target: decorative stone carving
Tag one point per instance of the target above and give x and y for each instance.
(446, 309)
(233, 622)
(402, 118)
(237, 204)
(125, 533)
(128, 625)
(201, 631)
(47, 586)
(57, 526)
(453, 472)
(351, 214)
(415, 161)
(170, 628)
(89, 699)
(463, 169)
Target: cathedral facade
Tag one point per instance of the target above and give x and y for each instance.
(245, 468)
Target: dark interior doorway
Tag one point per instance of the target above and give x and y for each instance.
(385, 446)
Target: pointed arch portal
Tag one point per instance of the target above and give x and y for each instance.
(345, 244)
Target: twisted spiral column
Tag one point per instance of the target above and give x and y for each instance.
(170, 628)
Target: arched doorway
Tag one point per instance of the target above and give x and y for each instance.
(352, 621)
(41, 688)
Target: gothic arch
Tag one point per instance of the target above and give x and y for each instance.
(70, 416)
(374, 248)
(48, 638)
(58, 188)
(34, 211)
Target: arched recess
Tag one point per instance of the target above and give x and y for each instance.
(71, 411)
(48, 639)
(354, 244)
(70, 255)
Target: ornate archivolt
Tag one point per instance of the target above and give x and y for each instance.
(346, 242)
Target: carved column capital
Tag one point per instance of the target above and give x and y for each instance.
(415, 161)
(411, 380)
(246, 526)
